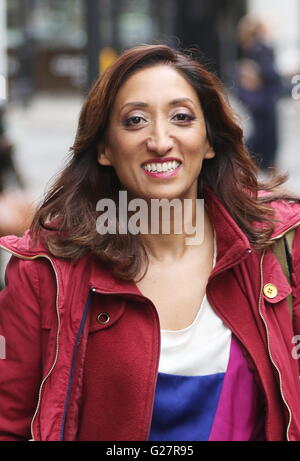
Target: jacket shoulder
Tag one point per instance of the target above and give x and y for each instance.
(31, 254)
(287, 214)
(26, 246)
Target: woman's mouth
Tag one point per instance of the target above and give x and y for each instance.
(161, 169)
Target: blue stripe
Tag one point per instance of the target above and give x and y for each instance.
(82, 323)
(185, 407)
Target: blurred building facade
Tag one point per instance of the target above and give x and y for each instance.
(54, 47)
(3, 54)
(46, 39)
(54, 44)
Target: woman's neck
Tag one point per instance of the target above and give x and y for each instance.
(173, 246)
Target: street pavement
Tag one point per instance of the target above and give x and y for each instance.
(42, 134)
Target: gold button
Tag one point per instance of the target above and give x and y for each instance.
(270, 290)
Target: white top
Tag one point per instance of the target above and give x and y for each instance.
(202, 348)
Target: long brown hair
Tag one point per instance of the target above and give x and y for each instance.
(72, 199)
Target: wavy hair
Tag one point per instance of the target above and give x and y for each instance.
(231, 174)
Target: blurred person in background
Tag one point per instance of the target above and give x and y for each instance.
(26, 67)
(259, 86)
(7, 162)
(140, 336)
(15, 207)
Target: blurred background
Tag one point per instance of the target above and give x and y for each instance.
(51, 51)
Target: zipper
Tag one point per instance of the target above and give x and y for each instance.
(156, 372)
(269, 349)
(27, 258)
(267, 332)
(75, 349)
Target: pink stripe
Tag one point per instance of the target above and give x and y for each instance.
(239, 412)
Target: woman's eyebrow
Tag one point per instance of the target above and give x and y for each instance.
(135, 104)
(180, 100)
(144, 104)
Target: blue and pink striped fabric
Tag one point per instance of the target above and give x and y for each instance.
(215, 407)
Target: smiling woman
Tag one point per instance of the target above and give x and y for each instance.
(224, 138)
(133, 335)
(147, 139)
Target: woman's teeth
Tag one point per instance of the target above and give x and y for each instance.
(161, 167)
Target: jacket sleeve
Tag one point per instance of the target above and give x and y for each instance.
(20, 359)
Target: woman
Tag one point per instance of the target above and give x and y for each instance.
(259, 88)
(134, 335)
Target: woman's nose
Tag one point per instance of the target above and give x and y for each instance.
(160, 142)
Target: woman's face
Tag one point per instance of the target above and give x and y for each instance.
(156, 139)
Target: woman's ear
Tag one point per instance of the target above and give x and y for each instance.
(103, 157)
(210, 153)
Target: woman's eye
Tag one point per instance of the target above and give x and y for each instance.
(135, 120)
(184, 117)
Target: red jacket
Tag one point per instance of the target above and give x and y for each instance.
(49, 316)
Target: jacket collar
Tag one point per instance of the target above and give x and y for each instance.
(232, 246)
